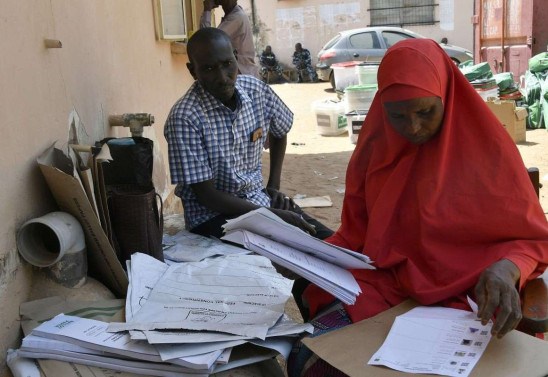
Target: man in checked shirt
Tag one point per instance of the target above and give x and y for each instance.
(216, 134)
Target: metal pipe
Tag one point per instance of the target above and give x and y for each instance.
(254, 17)
(502, 37)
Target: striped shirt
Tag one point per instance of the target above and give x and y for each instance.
(207, 140)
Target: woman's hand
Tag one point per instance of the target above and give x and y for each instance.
(496, 293)
(279, 200)
(294, 219)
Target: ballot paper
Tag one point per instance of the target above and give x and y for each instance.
(265, 223)
(143, 272)
(236, 294)
(39, 347)
(323, 264)
(435, 340)
(332, 278)
(124, 365)
(92, 334)
(59, 343)
(284, 327)
(189, 247)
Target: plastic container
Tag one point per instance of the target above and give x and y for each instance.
(330, 118)
(355, 120)
(345, 74)
(359, 97)
(367, 73)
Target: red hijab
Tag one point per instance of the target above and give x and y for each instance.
(434, 216)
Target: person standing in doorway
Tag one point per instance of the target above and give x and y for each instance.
(236, 24)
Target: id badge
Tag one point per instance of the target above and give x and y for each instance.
(256, 134)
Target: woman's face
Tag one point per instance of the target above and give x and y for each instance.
(418, 120)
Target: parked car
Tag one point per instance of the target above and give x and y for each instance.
(369, 45)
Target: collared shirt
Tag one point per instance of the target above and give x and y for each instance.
(207, 140)
(236, 25)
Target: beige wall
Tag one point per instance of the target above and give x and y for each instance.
(110, 63)
(282, 23)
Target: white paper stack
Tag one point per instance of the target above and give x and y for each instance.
(214, 314)
(323, 264)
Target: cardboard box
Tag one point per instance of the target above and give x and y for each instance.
(350, 348)
(512, 118)
(71, 197)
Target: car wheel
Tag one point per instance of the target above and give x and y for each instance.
(332, 80)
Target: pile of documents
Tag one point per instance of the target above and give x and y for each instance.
(184, 319)
(321, 263)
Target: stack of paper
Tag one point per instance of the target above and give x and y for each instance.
(319, 262)
(207, 312)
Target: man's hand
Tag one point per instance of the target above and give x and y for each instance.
(496, 290)
(279, 200)
(294, 219)
(209, 5)
(285, 272)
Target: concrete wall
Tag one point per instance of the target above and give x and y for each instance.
(282, 23)
(110, 63)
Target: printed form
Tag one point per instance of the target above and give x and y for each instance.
(237, 294)
(435, 340)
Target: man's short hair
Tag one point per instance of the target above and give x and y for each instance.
(202, 37)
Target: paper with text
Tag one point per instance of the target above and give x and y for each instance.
(332, 278)
(436, 340)
(189, 247)
(237, 294)
(265, 223)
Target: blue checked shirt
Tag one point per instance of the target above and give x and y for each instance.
(206, 140)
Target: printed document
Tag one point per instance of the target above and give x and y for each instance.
(435, 340)
(265, 223)
(189, 247)
(236, 294)
(332, 278)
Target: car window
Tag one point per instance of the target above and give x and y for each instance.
(364, 41)
(331, 42)
(391, 38)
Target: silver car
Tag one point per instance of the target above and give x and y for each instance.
(370, 44)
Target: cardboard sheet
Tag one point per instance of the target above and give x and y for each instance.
(350, 348)
(71, 197)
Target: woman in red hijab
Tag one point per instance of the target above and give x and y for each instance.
(438, 196)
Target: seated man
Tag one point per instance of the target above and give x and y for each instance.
(303, 62)
(269, 63)
(216, 133)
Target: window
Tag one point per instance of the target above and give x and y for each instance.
(173, 19)
(402, 12)
(364, 41)
(391, 38)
